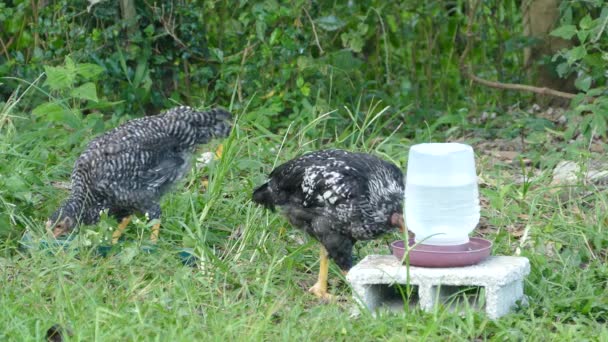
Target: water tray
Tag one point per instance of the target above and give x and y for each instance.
(471, 253)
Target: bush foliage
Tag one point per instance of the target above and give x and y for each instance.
(587, 24)
(81, 65)
(280, 59)
(300, 75)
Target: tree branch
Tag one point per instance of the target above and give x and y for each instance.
(521, 87)
(5, 47)
(467, 71)
(314, 31)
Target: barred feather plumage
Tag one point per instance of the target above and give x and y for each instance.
(128, 168)
(336, 196)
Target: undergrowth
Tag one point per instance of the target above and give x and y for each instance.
(369, 76)
(254, 268)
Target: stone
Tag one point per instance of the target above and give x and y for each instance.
(499, 278)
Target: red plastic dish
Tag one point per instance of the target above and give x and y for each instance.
(444, 256)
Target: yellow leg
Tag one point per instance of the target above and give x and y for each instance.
(219, 151)
(155, 232)
(121, 228)
(319, 289)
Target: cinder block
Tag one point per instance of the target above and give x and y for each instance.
(498, 280)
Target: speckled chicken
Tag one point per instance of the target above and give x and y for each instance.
(128, 169)
(338, 197)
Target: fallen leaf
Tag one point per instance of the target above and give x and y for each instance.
(236, 233)
(517, 230)
(504, 155)
(61, 185)
(598, 148)
(485, 228)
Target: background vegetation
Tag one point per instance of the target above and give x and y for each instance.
(366, 75)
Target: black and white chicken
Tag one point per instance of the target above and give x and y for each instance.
(128, 169)
(338, 197)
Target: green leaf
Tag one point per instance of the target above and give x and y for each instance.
(562, 69)
(219, 54)
(305, 89)
(25, 40)
(330, 23)
(392, 23)
(15, 183)
(601, 28)
(582, 35)
(274, 36)
(576, 54)
(260, 30)
(598, 124)
(583, 82)
(141, 71)
(362, 28)
(406, 85)
(352, 40)
(102, 105)
(565, 32)
(70, 66)
(89, 71)
(48, 109)
(149, 30)
(57, 113)
(86, 91)
(596, 91)
(14, 24)
(58, 78)
(344, 60)
(586, 22)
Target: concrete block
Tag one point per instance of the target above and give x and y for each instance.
(497, 283)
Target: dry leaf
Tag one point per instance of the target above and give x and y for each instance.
(61, 185)
(597, 147)
(505, 155)
(517, 230)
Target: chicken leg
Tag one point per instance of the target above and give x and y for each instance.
(219, 151)
(121, 228)
(155, 233)
(319, 289)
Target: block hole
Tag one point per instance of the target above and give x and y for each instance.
(461, 298)
(395, 296)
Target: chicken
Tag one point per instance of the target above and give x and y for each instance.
(338, 197)
(128, 169)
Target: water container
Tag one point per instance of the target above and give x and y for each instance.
(441, 193)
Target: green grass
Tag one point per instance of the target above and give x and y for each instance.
(255, 269)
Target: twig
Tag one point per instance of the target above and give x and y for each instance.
(314, 31)
(169, 26)
(129, 14)
(471, 17)
(467, 71)
(388, 72)
(246, 52)
(521, 87)
(5, 47)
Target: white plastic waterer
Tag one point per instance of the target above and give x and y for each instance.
(441, 195)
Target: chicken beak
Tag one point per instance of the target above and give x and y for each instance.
(56, 229)
(402, 227)
(398, 221)
(48, 226)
